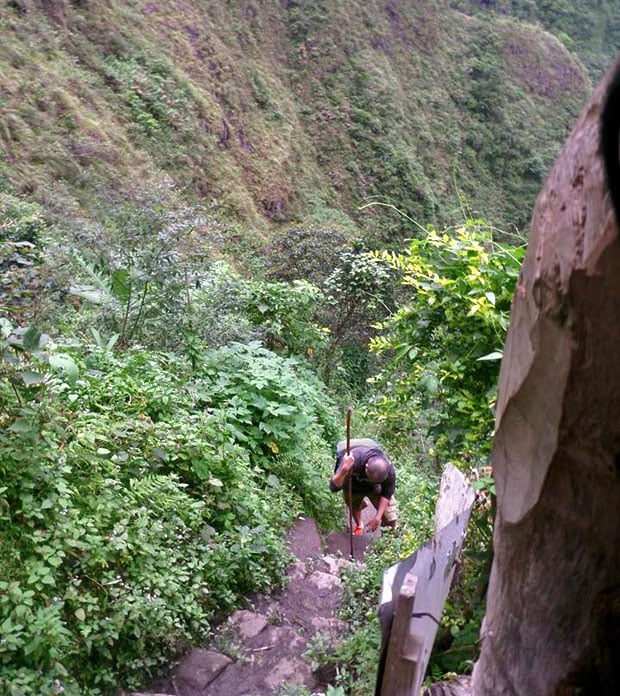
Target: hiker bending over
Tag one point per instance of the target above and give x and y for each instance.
(373, 477)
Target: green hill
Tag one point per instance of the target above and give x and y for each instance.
(279, 112)
(589, 29)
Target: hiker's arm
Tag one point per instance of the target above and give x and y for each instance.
(337, 481)
(376, 520)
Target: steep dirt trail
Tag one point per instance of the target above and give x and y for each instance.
(263, 648)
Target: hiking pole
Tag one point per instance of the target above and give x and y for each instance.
(350, 481)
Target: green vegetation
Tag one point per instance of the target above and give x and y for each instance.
(432, 401)
(166, 418)
(140, 498)
(281, 115)
(591, 30)
(445, 339)
(203, 261)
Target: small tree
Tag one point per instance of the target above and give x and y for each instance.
(359, 291)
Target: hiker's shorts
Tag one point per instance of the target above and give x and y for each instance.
(359, 501)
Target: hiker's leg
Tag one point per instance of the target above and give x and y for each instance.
(358, 504)
(390, 514)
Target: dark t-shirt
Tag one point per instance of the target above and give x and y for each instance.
(359, 483)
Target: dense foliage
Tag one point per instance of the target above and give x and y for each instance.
(281, 113)
(432, 401)
(173, 418)
(446, 338)
(140, 498)
(590, 29)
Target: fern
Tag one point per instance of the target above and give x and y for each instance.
(163, 494)
(97, 289)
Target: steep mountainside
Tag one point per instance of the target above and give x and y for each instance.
(280, 111)
(589, 28)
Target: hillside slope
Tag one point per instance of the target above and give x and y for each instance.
(589, 29)
(281, 111)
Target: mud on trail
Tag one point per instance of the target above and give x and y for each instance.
(261, 649)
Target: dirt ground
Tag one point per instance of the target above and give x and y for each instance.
(263, 649)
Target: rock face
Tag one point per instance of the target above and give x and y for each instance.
(553, 611)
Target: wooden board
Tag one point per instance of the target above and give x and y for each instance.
(414, 592)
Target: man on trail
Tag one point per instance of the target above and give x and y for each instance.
(373, 477)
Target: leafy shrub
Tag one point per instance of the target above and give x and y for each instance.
(21, 221)
(359, 291)
(302, 252)
(132, 513)
(132, 275)
(143, 280)
(271, 402)
(150, 90)
(285, 315)
(444, 344)
(445, 340)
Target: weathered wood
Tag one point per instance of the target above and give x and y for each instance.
(455, 497)
(433, 565)
(403, 654)
(553, 606)
(459, 686)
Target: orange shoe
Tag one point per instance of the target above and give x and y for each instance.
(359, 530)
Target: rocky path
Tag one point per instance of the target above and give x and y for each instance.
(259, 650)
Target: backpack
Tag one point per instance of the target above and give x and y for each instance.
(341, 447)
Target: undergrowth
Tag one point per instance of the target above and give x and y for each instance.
(139, 500)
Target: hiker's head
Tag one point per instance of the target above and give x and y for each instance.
(377, 469)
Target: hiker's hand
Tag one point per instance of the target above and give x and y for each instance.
(339, 478)
(374, 523)
(347, 462)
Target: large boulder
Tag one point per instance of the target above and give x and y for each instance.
(552, 624)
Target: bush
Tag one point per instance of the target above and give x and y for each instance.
(445, 340)
(135, 509)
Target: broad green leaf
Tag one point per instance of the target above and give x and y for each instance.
(30, 378)
(66, 365)
(31, 339)
(121, 285)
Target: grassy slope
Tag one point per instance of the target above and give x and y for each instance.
(590, 29)
(281, 111)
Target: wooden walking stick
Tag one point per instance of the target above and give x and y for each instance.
(350, 481)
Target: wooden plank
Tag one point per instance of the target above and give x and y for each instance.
(402, 658)
(455, 496)
(433, 566)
